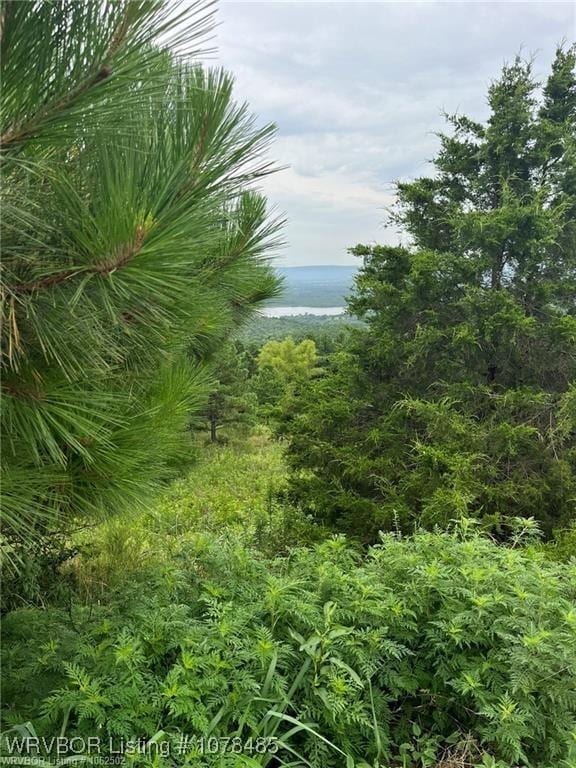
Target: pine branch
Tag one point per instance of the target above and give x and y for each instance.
(97, 410)
(20, 132)
(121, 258)
(3, 15)
(24, 391)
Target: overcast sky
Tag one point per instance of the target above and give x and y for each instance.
(357, 91)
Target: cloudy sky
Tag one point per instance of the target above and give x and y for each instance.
(357, 90)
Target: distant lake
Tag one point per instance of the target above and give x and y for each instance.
(291, 311)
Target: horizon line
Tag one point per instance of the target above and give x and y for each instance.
(310, 266)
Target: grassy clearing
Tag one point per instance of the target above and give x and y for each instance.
(231, 486)
(229, 494)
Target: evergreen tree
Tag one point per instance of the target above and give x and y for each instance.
(231, 400)
(130, 235)
(459, 399)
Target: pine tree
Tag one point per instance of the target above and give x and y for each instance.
(231, 401)
(459, 400)
(131, 236)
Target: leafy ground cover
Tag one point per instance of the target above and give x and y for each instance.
(207, 617)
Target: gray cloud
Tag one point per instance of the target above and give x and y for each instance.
(357, 91)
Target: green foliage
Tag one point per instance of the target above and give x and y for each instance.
(288, 360)
(326, 330)
(563, 546)
(428, 646)
(130, 237)
(284, 369)
(232, 487)
(134, 247)
(231, 401)
(459, 401)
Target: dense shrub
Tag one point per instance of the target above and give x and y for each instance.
(563, 546)
(425, 646)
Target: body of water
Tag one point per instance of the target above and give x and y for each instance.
(291, 311)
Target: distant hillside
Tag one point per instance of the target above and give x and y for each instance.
(262, 329)
(325, 286)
